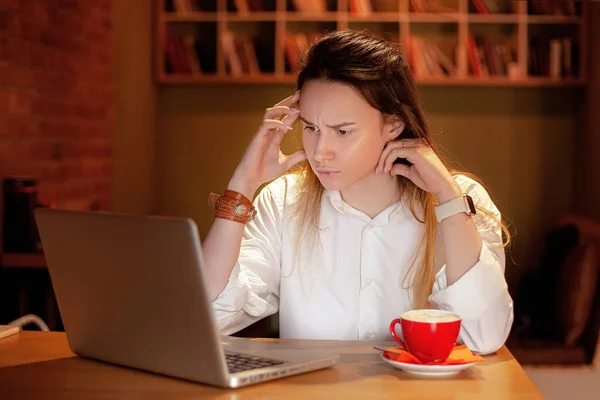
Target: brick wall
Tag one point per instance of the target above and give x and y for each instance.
(56, 97)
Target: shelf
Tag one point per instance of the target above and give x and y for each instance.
(468, 81)
(493, 18)
(375, 17)
(433, 17)
(298, 16)
(503, 40)
(222, 78)
(254, 16)
(553, 19)
(233, 17)
(189, 17)
(527, 82)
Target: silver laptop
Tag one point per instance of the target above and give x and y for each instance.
(131, 292)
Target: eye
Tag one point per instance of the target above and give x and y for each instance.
(311, 128)
(344, 132)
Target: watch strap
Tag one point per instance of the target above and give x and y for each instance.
(232, 206)
(461, 204)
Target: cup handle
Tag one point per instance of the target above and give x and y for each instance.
(393, 332)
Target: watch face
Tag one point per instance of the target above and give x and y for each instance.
(470, 205)
(240, 209)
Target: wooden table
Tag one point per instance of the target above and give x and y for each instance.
(36, 365)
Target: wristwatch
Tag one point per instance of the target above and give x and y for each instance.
(232, 206)
(462, 204)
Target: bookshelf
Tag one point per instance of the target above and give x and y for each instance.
(496, 43)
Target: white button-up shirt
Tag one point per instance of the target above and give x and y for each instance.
(351, 286)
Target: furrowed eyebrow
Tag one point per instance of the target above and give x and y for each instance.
(336, 126)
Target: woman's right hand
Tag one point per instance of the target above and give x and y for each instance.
(263, 160)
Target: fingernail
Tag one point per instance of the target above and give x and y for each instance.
(287, 126)
(295, 110)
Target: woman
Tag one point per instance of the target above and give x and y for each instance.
(371, 224)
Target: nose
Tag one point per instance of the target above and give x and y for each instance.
(323, 151)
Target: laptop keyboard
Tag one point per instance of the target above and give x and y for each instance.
(237, 362)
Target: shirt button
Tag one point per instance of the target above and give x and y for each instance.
(369, 335)
(368, 282)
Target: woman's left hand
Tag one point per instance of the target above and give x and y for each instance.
(427, 170)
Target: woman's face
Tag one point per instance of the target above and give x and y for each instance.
(343, 136)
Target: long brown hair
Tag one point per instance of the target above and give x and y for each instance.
(377, 70)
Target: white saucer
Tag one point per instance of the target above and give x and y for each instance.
(427, 370)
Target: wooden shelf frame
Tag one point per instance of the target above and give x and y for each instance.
(403, 18)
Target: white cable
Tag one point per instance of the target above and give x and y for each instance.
(30, 319)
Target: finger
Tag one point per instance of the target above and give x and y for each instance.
(279, 134)
(391, 146)
(400, 169)
(400, 152)
(271, 124)
(275, 124)
(295, 158)
(276, 138)
(291, 118)
(411, 142)
(288, 101)
(280, 111)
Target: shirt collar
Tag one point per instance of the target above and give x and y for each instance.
(382, 219)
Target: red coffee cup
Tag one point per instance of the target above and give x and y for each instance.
(430, 335)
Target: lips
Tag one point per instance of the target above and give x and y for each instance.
(327, 173)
